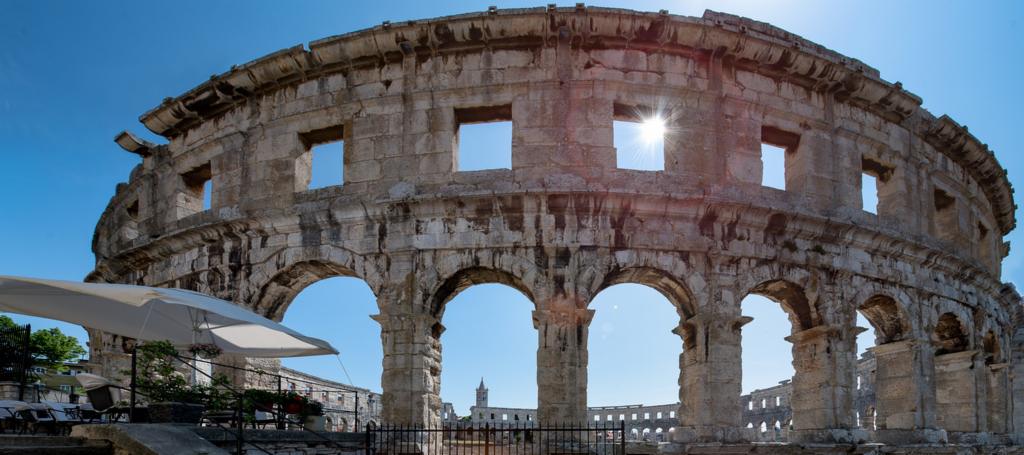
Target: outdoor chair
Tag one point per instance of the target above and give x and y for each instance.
(88, 414)
(35, 416)
(9, 414)
(66, 415)
(105, 397)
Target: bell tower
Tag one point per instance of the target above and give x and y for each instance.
(481, 395)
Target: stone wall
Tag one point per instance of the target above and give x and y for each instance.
(564, 223)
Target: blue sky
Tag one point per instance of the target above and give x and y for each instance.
(73, 74)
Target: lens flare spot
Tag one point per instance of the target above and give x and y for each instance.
(652, 129)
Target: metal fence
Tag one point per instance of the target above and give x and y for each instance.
(15, 358)
(487, 439)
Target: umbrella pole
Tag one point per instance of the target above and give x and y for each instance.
(131, 403)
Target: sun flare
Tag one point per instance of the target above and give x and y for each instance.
(652, 129)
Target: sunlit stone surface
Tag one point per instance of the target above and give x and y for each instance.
(564, 223)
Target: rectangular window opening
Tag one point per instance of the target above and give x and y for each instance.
(776, 148)
(869, 193)
(946, 218)
(198, 188)
(483, 138)
(773, 162)
(873, 176)
(638, 135)
(326, 157)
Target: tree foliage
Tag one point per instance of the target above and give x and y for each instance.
(49, 347)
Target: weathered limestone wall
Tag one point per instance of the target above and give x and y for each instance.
(564, 223)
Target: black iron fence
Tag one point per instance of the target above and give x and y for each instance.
(15, 358)
(490, 439)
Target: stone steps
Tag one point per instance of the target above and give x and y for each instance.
(59, 445)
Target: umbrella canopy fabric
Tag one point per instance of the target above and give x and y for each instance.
(153, 314)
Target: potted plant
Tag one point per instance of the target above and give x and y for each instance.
(293, 403)
(262, 400)
(171, 398)
(313, 416)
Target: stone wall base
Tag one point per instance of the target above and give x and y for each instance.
(979, 438)
(902, 437)
(831, 436)
(684, 435)
(835, 449)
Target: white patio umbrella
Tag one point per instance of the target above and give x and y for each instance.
(152, 314)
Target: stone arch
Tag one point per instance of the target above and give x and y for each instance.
(277, 294)
(278, 278)
(673, 289)
(792, 298)
(950, 334)
(461, 280)
(887, 316)
(791, 287)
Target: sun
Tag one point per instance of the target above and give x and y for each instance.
(652, 130)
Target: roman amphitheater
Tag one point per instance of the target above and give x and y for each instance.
(564, 222)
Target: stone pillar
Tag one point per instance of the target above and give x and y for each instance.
(710, 380)
(562, 365)
(825, 368)
(411, 381)
(905, 393)
(956, 391)
(1017, 402)
(998, 400)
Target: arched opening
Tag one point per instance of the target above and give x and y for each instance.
(772, 338)
(336, 309)
(767, 355)
(954, 372)
(950, 335)
(636, 310)
(489, 344)
(888, 324)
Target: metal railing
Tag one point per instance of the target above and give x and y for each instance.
(15, 356)
(498, 439)
(283, 420)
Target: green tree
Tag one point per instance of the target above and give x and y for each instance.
(49, 347)
(52, 347)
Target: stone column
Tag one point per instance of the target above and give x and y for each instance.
(956, 391)
(825, 365)
(710, 380)
(562, 365)
(998, 400)
(411, 381)
(905, 393)
(1017, 399)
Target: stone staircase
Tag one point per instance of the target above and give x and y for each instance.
(57, 445)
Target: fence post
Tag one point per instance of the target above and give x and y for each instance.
(240, 444)
(622, 436)
(280, 407)
(487, 439)
(26, 362)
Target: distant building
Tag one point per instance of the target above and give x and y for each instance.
(340, 400)
(766, 411)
